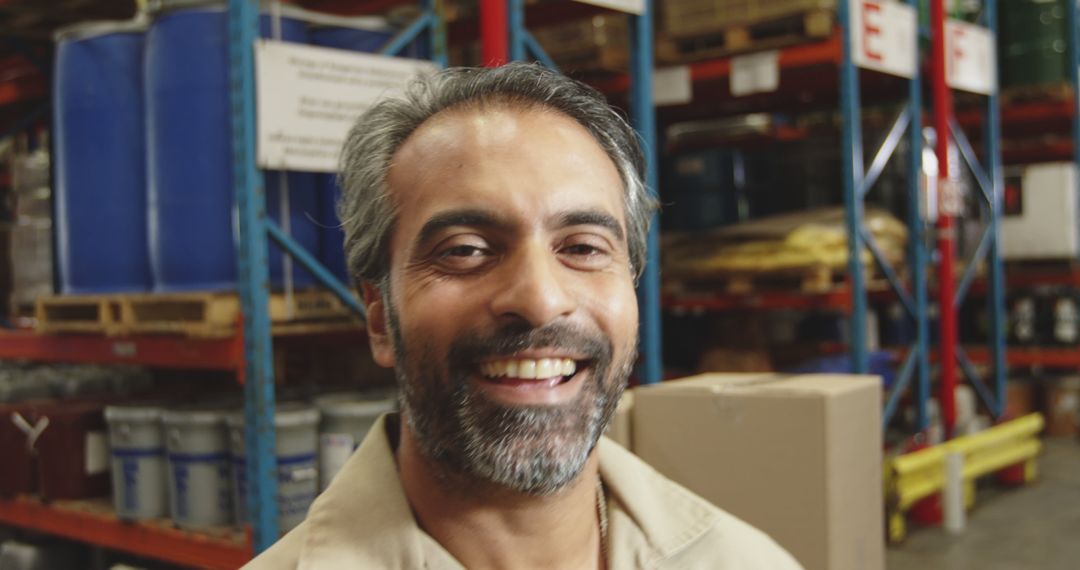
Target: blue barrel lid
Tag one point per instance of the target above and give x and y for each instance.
(364, 23)
(133, 413)
(96, 28)
(156, 7)
(286, 415)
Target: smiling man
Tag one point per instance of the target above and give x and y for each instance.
(496, 220)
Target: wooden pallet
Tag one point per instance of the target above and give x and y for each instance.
(815, 279)
(811, 279)
(769, 34)
(100, 314)
(1054, 92)
(196, 314)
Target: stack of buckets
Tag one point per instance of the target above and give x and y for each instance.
(189, 464)
(144, 183)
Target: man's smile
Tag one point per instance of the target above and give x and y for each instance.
(532, 381)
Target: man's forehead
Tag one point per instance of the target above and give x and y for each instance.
(465, 154)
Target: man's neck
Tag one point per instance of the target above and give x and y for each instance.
(484, 526)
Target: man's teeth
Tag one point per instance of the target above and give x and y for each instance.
(527, 368)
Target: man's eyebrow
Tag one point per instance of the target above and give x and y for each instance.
(451, 218)
(591, 218)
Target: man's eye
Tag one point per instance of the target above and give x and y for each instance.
(585, 254)
(582, 249)
(463, 251)
(464, 258)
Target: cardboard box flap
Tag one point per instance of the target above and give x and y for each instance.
(712, 381)
(818, 385)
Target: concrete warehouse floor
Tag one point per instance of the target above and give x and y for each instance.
(1036, 527)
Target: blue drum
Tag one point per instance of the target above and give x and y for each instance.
(191, 211)
(366, 35)
(101, 159)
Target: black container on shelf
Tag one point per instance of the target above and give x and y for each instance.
(1024, 319)
(895, 326)
(1061, 316)
(699, 190)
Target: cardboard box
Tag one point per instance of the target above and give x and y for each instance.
(1063, 407)
(620, 429)
(799, 457)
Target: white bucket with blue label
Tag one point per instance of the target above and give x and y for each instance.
(346, 420)
(296, 447)
(139, 481)
(197, 448)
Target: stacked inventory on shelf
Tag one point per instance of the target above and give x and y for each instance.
(80, 433)
(178, 126)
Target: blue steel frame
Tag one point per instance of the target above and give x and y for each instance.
(988, 177)
(253, 276)
(643, 116)
(858, 181)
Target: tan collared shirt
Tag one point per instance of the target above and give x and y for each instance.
(363, 520)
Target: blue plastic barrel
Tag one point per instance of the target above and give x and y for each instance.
(331, 238)
(191, 210)
(100, 159)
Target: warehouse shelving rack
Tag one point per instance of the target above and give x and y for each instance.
(247, 354)
(914, 371)
(254, 227)
(829, 56)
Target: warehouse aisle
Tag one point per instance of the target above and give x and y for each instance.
(1032, 528)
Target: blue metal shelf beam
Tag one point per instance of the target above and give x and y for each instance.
(643, 115)
(254, 279)
(988, 177)
(857, 184)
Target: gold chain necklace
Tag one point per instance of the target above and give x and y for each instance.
(601, 509)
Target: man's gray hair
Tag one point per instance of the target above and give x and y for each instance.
(366, 209)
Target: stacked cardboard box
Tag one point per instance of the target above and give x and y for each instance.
(799, 457)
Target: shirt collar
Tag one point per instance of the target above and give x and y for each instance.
(651, 517)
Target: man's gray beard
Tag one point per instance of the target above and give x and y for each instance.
(536, 450)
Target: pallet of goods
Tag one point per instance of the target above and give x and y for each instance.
(196, 314)
(804, 251)
(703, 29)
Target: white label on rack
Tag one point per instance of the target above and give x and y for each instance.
(124, 349)
(970, 57)
(884, 36)
(672, 86)
(755, 73)
(628, 6)
(97, 453)
(309, 97)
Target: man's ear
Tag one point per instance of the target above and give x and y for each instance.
(382, 345)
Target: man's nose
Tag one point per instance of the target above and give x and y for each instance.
(535, 290)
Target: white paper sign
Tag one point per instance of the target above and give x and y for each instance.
(309, 97)
(755, 73)
(628, 6)
(970, 57)
(672, 86)
(883, 36)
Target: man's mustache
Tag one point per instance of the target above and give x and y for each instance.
(513, 338)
